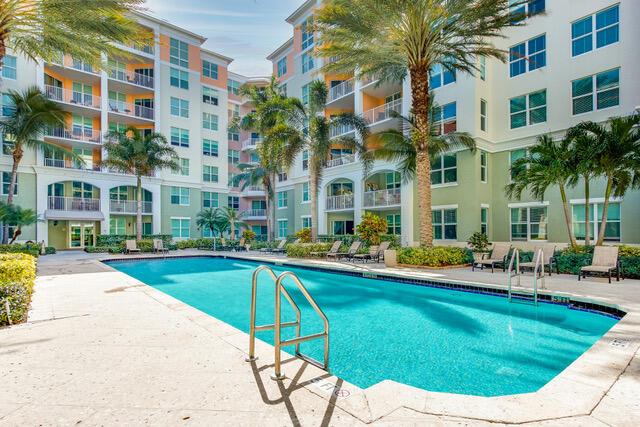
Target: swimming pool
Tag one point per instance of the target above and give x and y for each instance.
(436, 339)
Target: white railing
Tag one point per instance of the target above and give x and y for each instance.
(254, 213)
(132, 77)
(365, 81)
(130, 109)
(338, 130)
(251, 143)
(129, 206)
(342, 160)
(75, 134)
(71, 97)
(69, 164)
(343, 89)
(337, 203)
(254, 189)
(383, 112)
(83, 66)
(382, 198)
(60, 203)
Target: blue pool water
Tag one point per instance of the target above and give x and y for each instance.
(436, 339)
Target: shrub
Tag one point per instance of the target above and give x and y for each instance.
(304, 234)
(478, 242)
(195, 243)
(438, 256)
(249, 235)
(571, 259)
(115, 240)
(348, 239)
(49, 250)
(102, 249)
(17, 277)
(371, 227)
(303, 250)
(31, 249)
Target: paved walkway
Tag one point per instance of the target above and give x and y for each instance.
(102, 349)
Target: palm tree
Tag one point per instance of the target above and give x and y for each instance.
(41, 29)
(232, 217)
(548, 163)
(18, 218)
(207, 218)
(261, 173)
(132, 152)
(617, 154)
(388, 39)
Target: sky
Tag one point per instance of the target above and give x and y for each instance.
(246, 30)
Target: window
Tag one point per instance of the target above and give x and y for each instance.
(282, 66)
(612, 227)
(283, 201)
(180, 196)
(6, 181)
(445, 224)
(209, 95)
(7, 144)
(483, 115)
(392, 180)
(528, 109)
(233, 157)
(282, 176)
(6, 105)
(179, 78)
(483, 166)
(117, 226)
(179, 107)
(209, 121)
(607, 31)
(209, 148)
(484, 215)
(305, 160)
(260, 230)
(209, 173)
(179, 53)
(342, 227)
(179, 137)
(394, 225)
(444, 169)
(307, 62)
(513, 156)
(81, 190)
(483, 67)
(184, 167)
(528, 56)
(233, 202)
(283, 89)
(306, 222)
(305, 192)
(607, 93)
(444, 118)
(440, 76)
(307, 33)
(529, 223)
(210, 200)
(232, 180)
(233, 87)
(9, 67)
(283, 228)
(210, 70)
(529, 8)
(305, 94)
(233, 136)
(180, 228)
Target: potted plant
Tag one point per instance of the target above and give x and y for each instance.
(479, 244)
(249, 236)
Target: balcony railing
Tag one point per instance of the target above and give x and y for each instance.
(132, 77)
(83, 66)
(338, 203)
(75, 134)
(60, 203)
(383, 112)
(343, 89)
(255, 213)
(69, 164)
(132, 110)
(365, 81)
(253, 189)
(339, 130)
(382, 198)
(251, 143)
(129, 206)
(71, 97)
(342, 160)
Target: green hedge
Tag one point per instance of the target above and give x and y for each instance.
(571, 259)
(348, 239)
(437, 256)
(115, 240)
(103, 249)
(17, 277)
(303, 250)
(33, 250)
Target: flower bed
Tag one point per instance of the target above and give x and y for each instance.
(17, 278)
(436, 257)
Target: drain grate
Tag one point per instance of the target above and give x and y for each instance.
(620, 343)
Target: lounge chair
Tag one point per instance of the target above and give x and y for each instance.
(331, 252)
(605, 261)
(499, 255)
(376, 253)
(353, 249)
(548, 260)
(158, 246)
(130, 247)
(241, 247)
(373, 251)
(277, 249)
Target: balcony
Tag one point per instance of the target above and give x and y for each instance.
(341, 90)
(69, 164)
(83, 66)
(131, 110)
(339, 203)
(131, 77)
(129, 207)
(59, 203)
(75, 135)
(255, 214)
(253, 191)
(382, 198)
(342, 160)
(72, 98)
(383, 112)
(251, 143)
(340, 130)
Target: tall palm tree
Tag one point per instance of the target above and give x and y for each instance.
(548, 163)
(617, 147)
(232, 217)
(134, 153)
(41, 29)
(388, 39)
(207, 218)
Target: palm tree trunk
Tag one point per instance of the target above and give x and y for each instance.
(17, 158)
(420, 104)
(16, 233)
(587, 212)
(139, 209)
(232, 229)
(605, 211)
(313, 188)
(273, 206)
(567, 216)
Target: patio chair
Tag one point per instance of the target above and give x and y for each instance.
(158, 246)
(373, 251)
(331, 252)
(605, 261)
(241, 244)
(277, 249)
(548, 260)
(130, 247)
(376, 255)
(353, 249)
(499, 255)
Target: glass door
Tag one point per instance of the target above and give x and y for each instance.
(81, 234)
(75, 236)
(88, 235)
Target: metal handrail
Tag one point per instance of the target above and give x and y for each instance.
(539, 265)
(515, 259)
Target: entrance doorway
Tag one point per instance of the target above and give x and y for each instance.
(81, 234)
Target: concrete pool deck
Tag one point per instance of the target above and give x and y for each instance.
(101, 348)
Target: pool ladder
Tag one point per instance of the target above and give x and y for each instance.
(278, 325)
(514, 271)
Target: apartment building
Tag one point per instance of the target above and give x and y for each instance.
(572, 63)
(175, 87)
